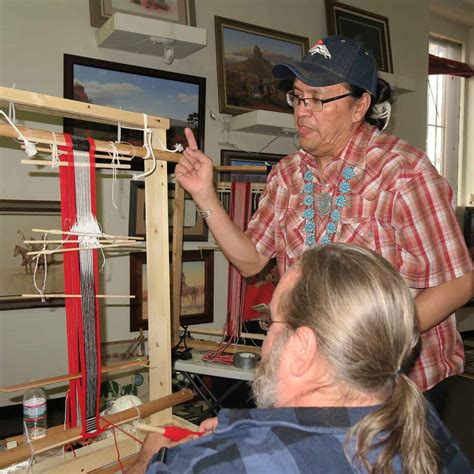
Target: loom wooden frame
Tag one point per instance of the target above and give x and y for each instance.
(156, 191)
(163, 330)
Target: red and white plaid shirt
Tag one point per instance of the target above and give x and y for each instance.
(398, 206)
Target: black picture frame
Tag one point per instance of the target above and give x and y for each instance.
(197, 301)
(137, 89)
(245, 158)
(245, 55)
(195, 229)
(369, 28)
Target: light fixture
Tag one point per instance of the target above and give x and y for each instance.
(168, 49)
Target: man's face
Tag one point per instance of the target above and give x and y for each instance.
(324, 133)
(265, 385)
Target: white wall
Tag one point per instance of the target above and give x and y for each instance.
(34, 35)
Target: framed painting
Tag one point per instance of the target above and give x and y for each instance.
(179, 97)
(176, 11)
(369, 28)
(194, 227)
(197, 289)
(244, 158)
(245, 57)
(20, 270)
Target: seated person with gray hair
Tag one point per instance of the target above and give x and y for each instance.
(332, 389)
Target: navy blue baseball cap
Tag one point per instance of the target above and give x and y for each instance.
(334, 60)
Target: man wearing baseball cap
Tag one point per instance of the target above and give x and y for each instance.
(351, 182)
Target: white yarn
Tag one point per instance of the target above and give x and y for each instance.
(30, 147)
(115, 160)
(382, 111)
(54, 153)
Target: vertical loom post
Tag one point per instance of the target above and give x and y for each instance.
(177, 260)
(158, 281)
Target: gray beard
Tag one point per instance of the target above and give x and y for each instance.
(265, 383)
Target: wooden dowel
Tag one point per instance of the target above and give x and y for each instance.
(97, 155)
(81, 165)
(218, 332)
(92, 247)
(102, 241)
(60, 295)
(54, 440)
(72, 232)
(212, 346)
(150, 428)
(43, 136)
(67, 377)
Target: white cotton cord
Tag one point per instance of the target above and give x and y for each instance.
(45, 270)
(148, 133)
(382, 111)
(115, 160)
(28, 441)
(119, 132)
(12, 112)
(30, 147)
(55, 162)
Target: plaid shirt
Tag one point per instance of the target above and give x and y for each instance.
(287, 440)
(398, 206)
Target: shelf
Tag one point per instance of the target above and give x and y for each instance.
(264, 122)
(142, 35)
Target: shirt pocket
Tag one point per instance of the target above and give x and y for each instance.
(290, 229)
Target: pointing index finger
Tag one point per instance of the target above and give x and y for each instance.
(191, 139)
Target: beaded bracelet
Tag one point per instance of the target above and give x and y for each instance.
(205, 214)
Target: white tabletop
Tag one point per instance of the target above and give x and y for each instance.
(197, 366)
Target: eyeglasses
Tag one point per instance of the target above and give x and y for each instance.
(315, 105)
(266, 321)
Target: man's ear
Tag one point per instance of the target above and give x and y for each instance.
(302, 347)
(362, 104)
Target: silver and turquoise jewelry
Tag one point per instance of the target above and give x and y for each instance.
(324, 206)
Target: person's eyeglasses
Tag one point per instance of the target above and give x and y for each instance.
(266, 321)
(315, 105)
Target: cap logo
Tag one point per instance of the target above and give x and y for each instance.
(320, 48)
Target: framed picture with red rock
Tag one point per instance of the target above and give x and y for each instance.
(246, 55)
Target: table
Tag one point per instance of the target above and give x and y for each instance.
(193, 368)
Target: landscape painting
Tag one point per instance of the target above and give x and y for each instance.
(22, 273)
(246, 55)
(178, 97)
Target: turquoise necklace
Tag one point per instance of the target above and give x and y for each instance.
(324, 206)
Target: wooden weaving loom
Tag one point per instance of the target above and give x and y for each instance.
(163, 317)
(159, 310)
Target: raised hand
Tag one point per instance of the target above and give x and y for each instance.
(195, 170)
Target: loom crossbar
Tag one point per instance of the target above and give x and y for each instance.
(46, 104)
(61, 438)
